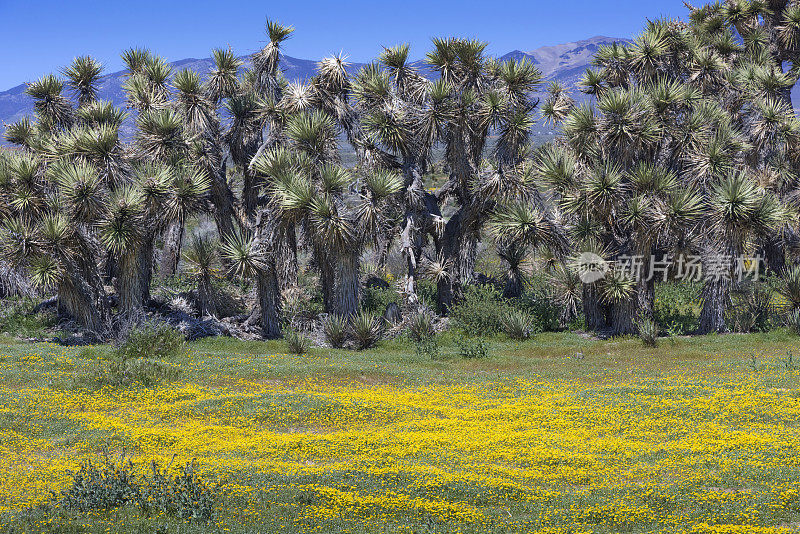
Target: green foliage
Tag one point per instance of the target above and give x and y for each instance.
(100, 486)
(157, 340)
(518, 324)
(422, 334)
(335, 329)
(17, 320)
(366, 329)
(184, 495)
(481, 309)
(108, 484)
(296, 343)
(648, 331)
(376, 299)
(753, 309)
(472, 347)
(420, 326)
(793, 321)
(128, 372)
(544, 311)
(677, 306)
(428, 347)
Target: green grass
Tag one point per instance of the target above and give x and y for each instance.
(615, 373)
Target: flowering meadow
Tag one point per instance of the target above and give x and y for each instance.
(559, 434)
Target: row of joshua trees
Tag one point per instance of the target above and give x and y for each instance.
(685, 142)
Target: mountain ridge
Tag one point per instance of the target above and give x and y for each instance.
(557, 62)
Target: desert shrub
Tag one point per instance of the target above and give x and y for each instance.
(677, 306)
(544, 303)
(376, 299)
(426, 292)
(107, 484)
(366, 329)
(128, 372)
(152, 340)
(753, 309)
(648, 330)
(789, 288)
(100, 486)
(335, 329)
(793, 321)
(297, 305)
(296, 343)
(422, 334)
(518, 324)
(17, 319)
(184, 495)
(481, 309)
(427, 347)
(472, 347)
(420, 326)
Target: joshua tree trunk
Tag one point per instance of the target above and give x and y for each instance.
(420, 206)
(645, 296)
(347, 284)
(286, 259)
(594, 315)
(458, 248)
(773, 252)
(81, 296)
(224, 214)
(133, 284)
(513, 287)
(269, 303)
(622, 314)
(327, 277)
(715, 296)
(206, 301)
(173, 238)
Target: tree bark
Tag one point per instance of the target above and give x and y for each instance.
(347, 284)
(269, 303)
(206, 301)
(286, 260)
(593, 312)
(715, 296)
(622, 314)
(171, 254)
(773, 253)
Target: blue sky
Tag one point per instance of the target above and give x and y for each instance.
(41, 37)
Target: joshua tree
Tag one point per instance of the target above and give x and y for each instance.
(678, 110)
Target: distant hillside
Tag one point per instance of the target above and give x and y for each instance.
(565, 63)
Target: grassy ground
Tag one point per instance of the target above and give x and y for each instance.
(557, 434)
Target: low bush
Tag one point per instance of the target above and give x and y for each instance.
(472, 347)
(648, 331)
(427, 347)
(128, 372)
(17, 319)
(335, 329)
(366, 329)
(422, 334)
(752, 307)
(481, 309)
(420, 326)
(296, 343)
(376, 299)
(519, 325)
(107, 484)
(100, 486)
(152, 340)
(677, 306)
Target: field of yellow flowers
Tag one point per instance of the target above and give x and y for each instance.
(559, 434)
